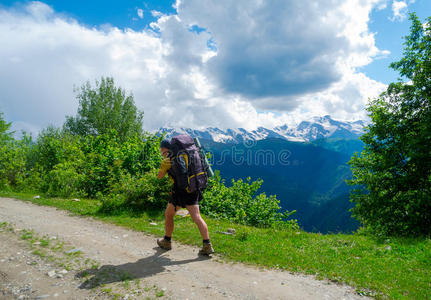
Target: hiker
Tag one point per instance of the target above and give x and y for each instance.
(187, 188)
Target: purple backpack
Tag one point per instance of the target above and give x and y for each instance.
(187, 166)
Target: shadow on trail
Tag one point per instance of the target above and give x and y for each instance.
(143, 267)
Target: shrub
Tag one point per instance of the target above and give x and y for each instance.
(143, 193)
(64, 181)
(111, 204)
(12, 164)
(240, 203)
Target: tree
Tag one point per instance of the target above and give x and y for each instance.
(103, 108)
(393, 173)
(5, 134)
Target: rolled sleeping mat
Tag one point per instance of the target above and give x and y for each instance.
(210, 171)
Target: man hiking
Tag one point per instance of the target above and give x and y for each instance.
(184, 166)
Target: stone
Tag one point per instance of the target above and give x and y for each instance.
(77, 200)
(63, 271)
(36, 197)
(224, 232)
(153, 223)
(42, 297)
(182, 213)
(74, 250)
(231, 230)
(51, 273)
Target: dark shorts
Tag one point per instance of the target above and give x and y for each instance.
(182, 198)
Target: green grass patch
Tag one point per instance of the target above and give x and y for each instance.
(40, 252)
(397, 268)
(26, 235)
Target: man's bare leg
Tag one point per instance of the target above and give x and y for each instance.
(169, 219)
(196, 217)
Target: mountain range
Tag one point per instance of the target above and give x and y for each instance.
(306, 131)
(312, 178)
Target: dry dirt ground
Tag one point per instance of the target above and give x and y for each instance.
(48, 254)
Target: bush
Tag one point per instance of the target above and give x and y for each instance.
(240, 203)
(12, 164)
(142, 193)
(64, 181)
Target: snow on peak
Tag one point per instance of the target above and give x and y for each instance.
(316, 128)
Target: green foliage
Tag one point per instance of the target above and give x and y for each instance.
(59, 163)
(240, 203)
(107, 158)
(5, 134)
(64, 181)
(139, 193)
(393, 172)
(10, 156)
(103, 108)
(13, 156)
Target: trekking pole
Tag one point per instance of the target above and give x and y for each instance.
(210, 171)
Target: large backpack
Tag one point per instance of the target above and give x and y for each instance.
(188, 169)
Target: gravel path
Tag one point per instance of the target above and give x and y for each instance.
(179, 273)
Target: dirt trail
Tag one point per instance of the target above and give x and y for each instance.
(181, 273)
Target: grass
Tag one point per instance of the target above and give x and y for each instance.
(396, 268)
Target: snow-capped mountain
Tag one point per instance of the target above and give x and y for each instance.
(306, 131)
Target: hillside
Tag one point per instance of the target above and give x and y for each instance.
(311, 180)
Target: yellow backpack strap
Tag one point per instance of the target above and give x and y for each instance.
(186, 159)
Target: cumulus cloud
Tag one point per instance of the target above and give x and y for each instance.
(399, 10)
(226, 63)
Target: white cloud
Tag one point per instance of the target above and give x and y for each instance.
(269, 64)
(400, 10)
(140, 13)
(156, 13)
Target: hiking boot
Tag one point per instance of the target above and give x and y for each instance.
(164, 244)
(207, 249)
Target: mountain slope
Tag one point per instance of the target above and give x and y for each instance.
(315, 129)
(305, 177)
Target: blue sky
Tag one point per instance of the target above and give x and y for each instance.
(389, 36)
(122, 14)
(202, 63)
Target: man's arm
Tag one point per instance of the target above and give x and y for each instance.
(164, 167)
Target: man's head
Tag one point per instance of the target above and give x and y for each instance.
(165, 148)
